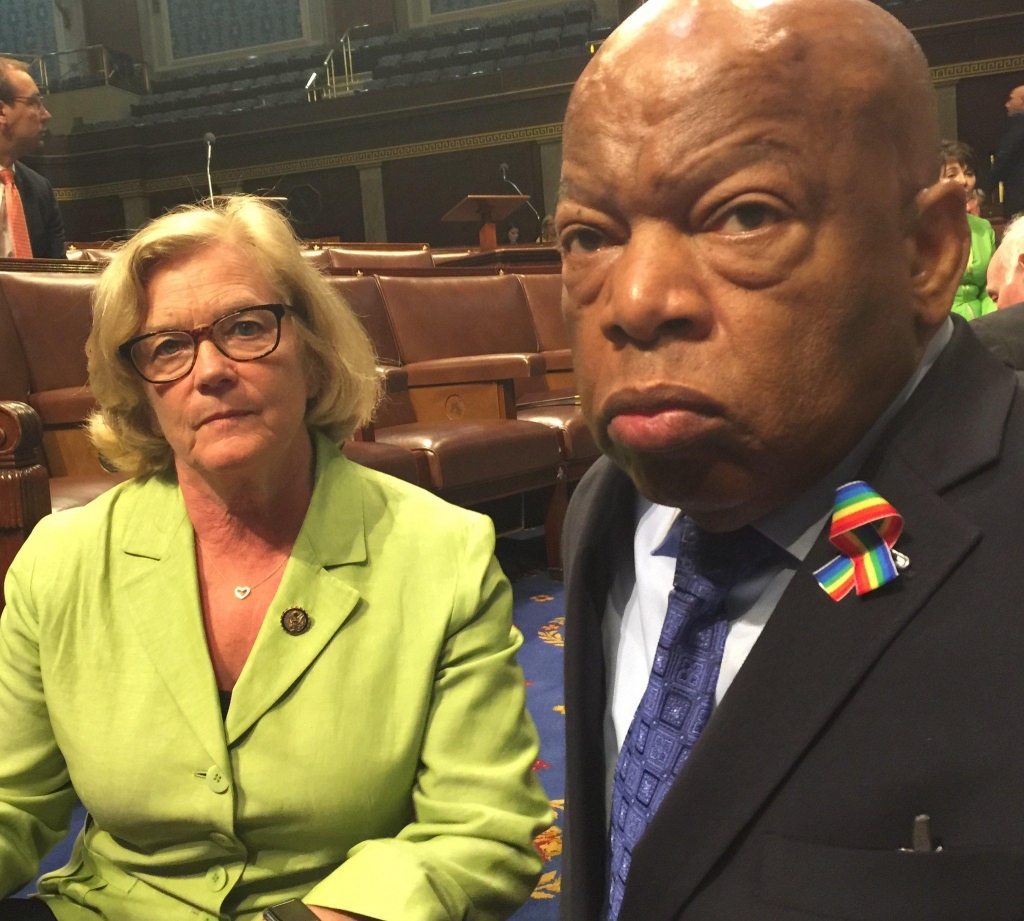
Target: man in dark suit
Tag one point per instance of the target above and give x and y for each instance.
(28, 202)
(1008, 166)
(758, 268)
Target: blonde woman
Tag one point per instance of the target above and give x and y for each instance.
(268, 673)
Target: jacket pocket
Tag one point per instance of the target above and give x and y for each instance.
(865, 885)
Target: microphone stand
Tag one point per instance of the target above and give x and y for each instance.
(519, 191)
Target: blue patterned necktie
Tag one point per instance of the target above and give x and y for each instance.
(681, 691)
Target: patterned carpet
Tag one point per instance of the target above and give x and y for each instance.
(539, 614)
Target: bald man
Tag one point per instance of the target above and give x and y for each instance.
(758, 271)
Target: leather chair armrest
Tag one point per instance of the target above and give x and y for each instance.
(473, 368)
(558, 359)
(396, 380)
(67, 406)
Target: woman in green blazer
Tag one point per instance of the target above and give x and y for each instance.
(267, 672)
(971, 300)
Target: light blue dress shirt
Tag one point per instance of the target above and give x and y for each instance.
(636, 605)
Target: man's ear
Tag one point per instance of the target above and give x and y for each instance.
(940, 242)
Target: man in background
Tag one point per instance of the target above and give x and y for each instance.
(758, 267)
(1008, 167)
(1003, 331)
(30, 221)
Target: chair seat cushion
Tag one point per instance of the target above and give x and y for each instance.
(478, 450)
(385, 458)
(577, 440)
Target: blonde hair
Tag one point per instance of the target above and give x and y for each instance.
(338, 357)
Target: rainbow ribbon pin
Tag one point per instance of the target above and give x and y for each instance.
(864, 529)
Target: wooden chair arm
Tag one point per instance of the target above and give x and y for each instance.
(24, 482)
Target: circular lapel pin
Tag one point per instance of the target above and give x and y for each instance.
(295, 621)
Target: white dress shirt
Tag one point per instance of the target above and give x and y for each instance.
(6, 237)
(638, 600)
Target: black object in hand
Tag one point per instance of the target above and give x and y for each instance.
(292, 910)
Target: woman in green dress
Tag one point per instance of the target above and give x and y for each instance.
(972, 300)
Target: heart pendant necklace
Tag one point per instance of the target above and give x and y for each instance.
(243, 591)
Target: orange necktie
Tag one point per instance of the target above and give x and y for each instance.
(16, 216)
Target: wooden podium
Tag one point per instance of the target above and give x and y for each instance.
(486, 210)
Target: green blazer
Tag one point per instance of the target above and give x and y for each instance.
(378, 763)
(972, 300)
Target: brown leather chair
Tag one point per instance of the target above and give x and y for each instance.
(544, 298)
(553, 400)
(381, 257)
(456, 415)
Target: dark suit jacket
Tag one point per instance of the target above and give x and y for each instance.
(1003, 333)
(45, 227)
(848, 719)
(1008, 166)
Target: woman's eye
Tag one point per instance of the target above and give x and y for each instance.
(582, 238)
(746, 218)
(164, 348)
(245, 329)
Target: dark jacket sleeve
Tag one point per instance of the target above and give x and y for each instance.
(54, 225)
(1010, 150)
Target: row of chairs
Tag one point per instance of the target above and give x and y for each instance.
(480, 408)
(479, 69)
(225, 91)
(368, 51)
(543, 41)
(247, 68)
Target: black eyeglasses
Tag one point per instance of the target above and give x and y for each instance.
(168, 355)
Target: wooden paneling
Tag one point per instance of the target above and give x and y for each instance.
(336, 205)
(418, 192)
(459, 401)
(972, 41)
(69, 452)
(93, 220)
(114, 23)
(161, 202)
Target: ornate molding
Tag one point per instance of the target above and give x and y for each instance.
(357, 158)
(952, 73)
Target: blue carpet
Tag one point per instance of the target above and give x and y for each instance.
(539, 614)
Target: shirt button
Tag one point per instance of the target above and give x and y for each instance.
(216, 878)
(217, 780)
(222, 840)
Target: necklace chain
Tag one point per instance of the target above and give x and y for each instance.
(243, 591)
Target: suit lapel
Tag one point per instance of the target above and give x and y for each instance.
(331, 540)
(162, 593)
(813, 651)
(606, 515)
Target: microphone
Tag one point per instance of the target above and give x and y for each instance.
(504, 175)
(210, 138)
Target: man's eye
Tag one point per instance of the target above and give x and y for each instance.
(582, 238)
(745, 219)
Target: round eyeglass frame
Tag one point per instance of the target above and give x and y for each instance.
(197, 335)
